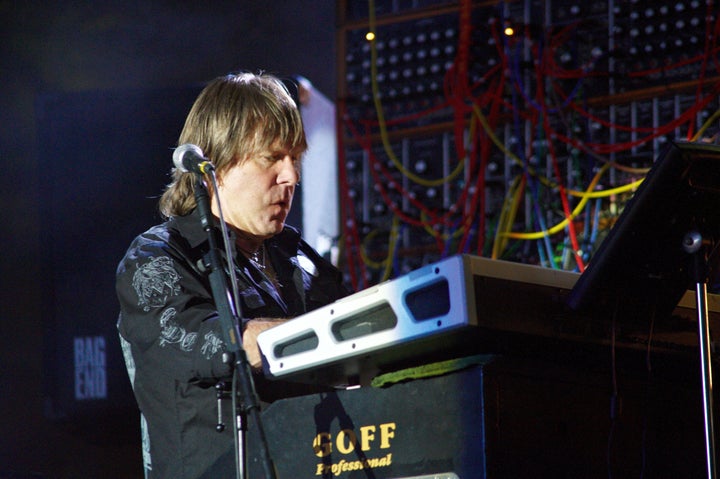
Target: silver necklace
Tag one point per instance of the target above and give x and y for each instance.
(258, 258)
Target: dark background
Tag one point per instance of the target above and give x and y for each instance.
(94, 95)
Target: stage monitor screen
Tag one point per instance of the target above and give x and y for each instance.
(642, 262)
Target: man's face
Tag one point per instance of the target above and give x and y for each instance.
(256, 193)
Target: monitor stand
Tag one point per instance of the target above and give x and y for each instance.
(664, 243)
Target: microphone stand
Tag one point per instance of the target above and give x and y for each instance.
(235, 354)
(697, 247)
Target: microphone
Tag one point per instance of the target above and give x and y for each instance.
(189, 158)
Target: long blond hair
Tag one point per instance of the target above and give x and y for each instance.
(234, 117)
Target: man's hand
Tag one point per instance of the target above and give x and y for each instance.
(252, 329)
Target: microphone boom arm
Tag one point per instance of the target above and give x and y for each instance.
(230, 323)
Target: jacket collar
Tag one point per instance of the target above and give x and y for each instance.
(190, 227)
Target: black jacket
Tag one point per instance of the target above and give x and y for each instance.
(173, 343)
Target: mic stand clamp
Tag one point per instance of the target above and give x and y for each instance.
(235, 354)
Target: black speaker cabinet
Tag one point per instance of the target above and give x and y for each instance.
(501, 418)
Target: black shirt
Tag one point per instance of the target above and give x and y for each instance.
(173, 344)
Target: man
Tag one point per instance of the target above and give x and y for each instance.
(250, 129)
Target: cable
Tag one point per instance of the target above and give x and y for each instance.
(381, 115)
(511, 102)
